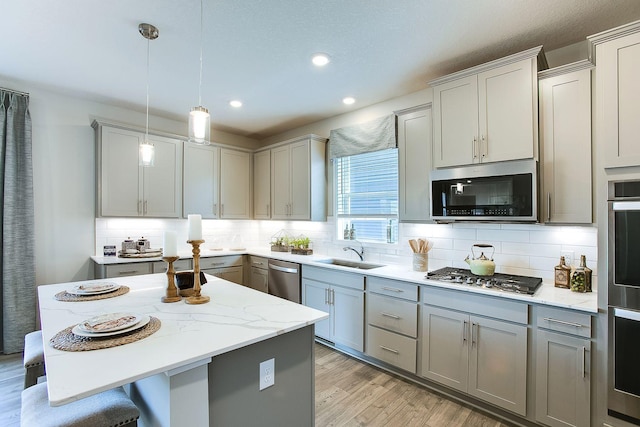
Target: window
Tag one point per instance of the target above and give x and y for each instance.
(367, 195)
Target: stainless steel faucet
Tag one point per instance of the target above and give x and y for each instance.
(359, 252)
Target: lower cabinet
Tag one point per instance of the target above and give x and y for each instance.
(345, 304)
(486, 358)
(563, 368)
(179, 265)
(227, 267)
(259, 272)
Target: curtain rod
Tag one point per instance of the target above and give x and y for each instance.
(14, 91)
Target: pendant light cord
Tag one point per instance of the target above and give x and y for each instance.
(146, 136)
(201, 31)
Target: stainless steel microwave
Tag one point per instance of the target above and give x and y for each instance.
(502, 191)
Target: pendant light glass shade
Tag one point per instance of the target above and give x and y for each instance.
(199, 125)
(147, 152)
(199, 117)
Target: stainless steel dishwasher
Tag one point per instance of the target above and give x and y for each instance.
(284, 280)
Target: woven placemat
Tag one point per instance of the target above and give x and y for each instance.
(66, 296)
(68, 341)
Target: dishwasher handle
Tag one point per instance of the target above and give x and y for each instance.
(284, 269)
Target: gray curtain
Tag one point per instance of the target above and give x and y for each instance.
(18, 296)
(374, 135)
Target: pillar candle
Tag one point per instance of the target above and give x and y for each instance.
(170, 244)
(195, 227)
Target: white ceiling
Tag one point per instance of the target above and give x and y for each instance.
(259, 50)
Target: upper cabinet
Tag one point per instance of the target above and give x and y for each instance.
(617, 58)
(488, 113)
(262, 185)
(414, 162)
(217, 182)
(126, 189)
(565, 135)
(298, 179)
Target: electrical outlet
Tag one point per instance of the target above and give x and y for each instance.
(267, 373)
(568, 257)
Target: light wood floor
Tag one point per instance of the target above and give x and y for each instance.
(348, 393)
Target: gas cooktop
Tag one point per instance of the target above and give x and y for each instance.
(498, 282)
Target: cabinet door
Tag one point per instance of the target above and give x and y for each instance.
(201, 172)
(235, 184)
(508, 106)
(316, 295)
(280, 182)
(300, 207)
(619, 98)
(445, 350)
(562, 380)
(455, 122)
(259, 279)
(262, 185)
(565, 129)
(120, 179)
(162, 188)
(348, 317)
(498, 363)
(232, 274)
(414, 163)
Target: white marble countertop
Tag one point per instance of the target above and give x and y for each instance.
(547, 294)
(235, 317)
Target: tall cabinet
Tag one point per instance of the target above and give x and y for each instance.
(414, 162)
(565, 135)
(297, 180)
(126, 189)
(617, 57)
(262, 185)
(488, 113)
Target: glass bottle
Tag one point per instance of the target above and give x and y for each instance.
(562, 276)
(579, 277)
(352, 234)
(347, 235)
(588, 273)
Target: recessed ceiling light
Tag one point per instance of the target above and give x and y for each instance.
(235, 103)
(320, 59)
(349, 100)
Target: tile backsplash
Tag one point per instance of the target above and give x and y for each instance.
(524, 249)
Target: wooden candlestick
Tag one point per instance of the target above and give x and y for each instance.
(196, 298)
(172, 290)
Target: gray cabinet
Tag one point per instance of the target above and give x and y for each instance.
(487, 113)
(342, 296)
(259, 270)
(392, 322)
(228, 267)
(563, 368)
(179, 265)
(262, 185)
(477, 345)
(298, 179)
(414, 163)
(120, 270)
(565, 133)
(126, 189)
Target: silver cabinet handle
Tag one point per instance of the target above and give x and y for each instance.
(326, 296)
(486, 147)
(392, 316)
(465, 331)
(144, 209)
(548, 206)
(474, 326)
(474, 145)
(562, 322)
(215, 208)
(389, 350)
(124, 273)
(584, 362)
(386, 288)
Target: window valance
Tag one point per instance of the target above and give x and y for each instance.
(375, 135)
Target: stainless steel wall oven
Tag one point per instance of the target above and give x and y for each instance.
(624, 300)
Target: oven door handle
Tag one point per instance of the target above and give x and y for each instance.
(626, 314)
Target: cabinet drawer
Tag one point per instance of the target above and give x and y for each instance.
(392, 348)
(393, 314)
(221, 261)
(334, 277)
(135, 269)
(567, 321)
(179, 265)
(393, 288)
(258, 262)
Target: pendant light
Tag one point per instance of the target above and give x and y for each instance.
(199, 117)
(147, 150)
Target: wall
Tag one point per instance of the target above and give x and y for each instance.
(64, 175)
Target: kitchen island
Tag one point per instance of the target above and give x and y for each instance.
(202, 367)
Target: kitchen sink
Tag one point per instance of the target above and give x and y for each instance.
(351, 264)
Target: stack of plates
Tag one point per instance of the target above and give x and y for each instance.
(107, 325)
(95, 288)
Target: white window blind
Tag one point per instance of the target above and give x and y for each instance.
(367, 194)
